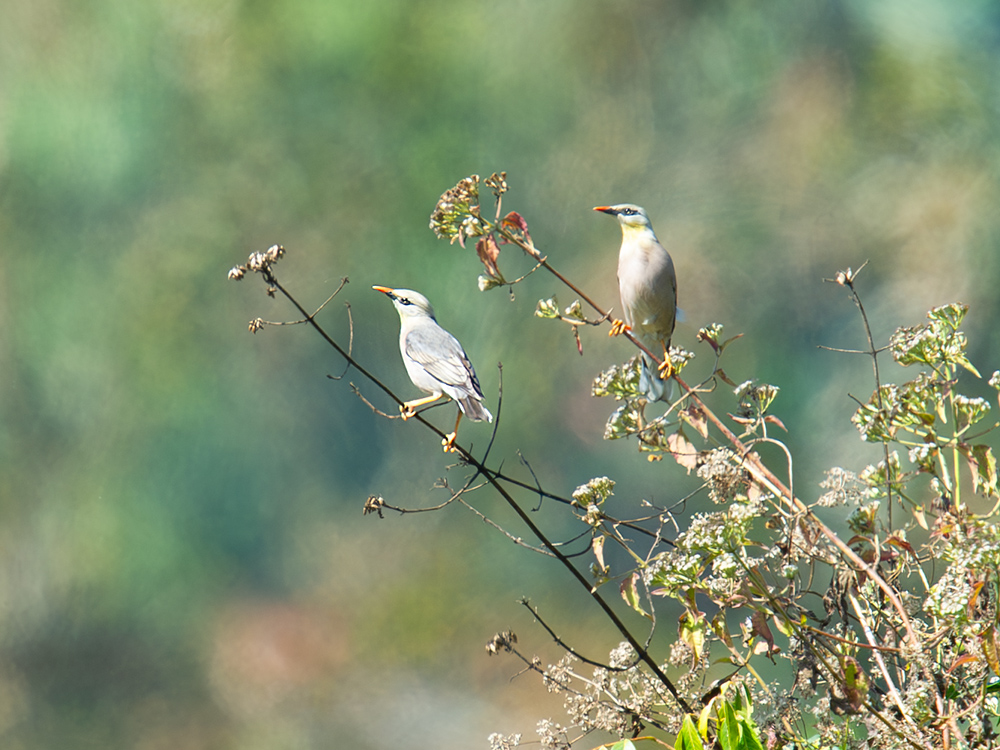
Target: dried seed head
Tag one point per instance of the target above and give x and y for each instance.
(373, 504)
(503, 641)
(497, 183)
(257, 262)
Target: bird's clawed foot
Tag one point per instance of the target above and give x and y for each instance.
(406, 411)
(618, 327)
(449, 442)
(666, 368)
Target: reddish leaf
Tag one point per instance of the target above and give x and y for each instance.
(895, 541)
(775, 420)
(976, 589)
(488, 250)
(966, 659)
(516, 222)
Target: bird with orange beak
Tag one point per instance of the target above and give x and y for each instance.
(435, 361)
(647, 285)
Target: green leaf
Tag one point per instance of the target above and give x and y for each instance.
(991, 650)
(983, 464)
(688, 738)
(737, 731)
(630, 593)
(729, 730)
(691, 629)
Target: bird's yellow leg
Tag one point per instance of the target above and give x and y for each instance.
(449, 440)
(666, 368)
(408, 409)
(618, 327)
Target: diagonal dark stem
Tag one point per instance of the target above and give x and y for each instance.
(515, 506)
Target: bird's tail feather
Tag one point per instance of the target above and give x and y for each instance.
(650, 383)
(473, 408)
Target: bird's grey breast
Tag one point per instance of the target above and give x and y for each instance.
(647, 284)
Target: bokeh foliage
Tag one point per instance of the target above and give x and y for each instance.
(178, 497)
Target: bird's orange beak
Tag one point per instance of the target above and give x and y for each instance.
(605, 209)
(383, 289)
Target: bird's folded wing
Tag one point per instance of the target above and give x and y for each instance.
(440, 354)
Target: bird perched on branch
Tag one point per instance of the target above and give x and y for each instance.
(435, 361)
(648, 288)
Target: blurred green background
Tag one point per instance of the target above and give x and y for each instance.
(183, 560)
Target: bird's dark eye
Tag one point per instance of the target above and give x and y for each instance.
(404, 301)
(629, 211)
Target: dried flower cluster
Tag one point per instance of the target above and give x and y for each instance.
(258, 262)
(456, 215)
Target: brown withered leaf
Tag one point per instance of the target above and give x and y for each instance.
(683, 450)
(695, 416)
(725, 378)
(855, 682)
(597, 545)
(488, 251)
(759, 626)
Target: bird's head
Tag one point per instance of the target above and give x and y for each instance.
(628, 215)
(408, 303)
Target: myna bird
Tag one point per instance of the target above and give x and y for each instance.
(648, 288)
(434, 360)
